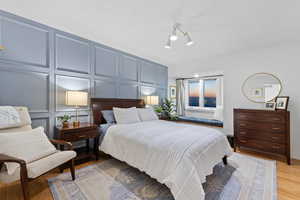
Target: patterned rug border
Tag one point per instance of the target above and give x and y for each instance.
(55, 193)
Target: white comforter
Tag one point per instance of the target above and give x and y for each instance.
(177, 155)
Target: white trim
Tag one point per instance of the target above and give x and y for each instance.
(200, 109)
(206, 110)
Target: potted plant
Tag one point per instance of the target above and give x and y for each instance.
(65, 120)
(166, 110)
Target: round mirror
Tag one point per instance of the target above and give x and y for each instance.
(261, 87)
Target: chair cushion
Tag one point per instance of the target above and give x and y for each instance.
(26, 145)
(40, 167)
(17, 129)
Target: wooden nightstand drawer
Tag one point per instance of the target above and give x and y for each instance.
(85, 131)
(75, 136)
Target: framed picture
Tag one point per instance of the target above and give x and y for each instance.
(257, 92)
(172, 92)
(282, 102)
(270, 105)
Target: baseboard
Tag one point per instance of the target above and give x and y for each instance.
(296, 161)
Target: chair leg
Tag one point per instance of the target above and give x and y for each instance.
(72, 169)
(225, 160)
(24, 182)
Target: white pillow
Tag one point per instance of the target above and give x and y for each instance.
(147, 114)
(9, 117)
(126, 115)
(26, 145)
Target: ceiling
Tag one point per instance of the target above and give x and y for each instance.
(141, 27)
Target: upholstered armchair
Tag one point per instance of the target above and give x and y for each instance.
(29, 171)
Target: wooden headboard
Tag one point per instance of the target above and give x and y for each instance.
(99, 104)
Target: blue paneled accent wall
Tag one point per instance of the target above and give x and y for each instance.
(39, 64)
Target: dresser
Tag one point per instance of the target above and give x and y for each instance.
(263, 131)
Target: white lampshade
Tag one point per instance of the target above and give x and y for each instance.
(151, 100)
(76, 98)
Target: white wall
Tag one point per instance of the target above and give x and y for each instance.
(281, 60)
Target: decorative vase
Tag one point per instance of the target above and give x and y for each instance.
(65, 124)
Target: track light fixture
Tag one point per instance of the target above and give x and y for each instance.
(168, 45)
(189, 40)
(174, 36)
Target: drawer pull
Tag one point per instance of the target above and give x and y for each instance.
(243, 133)
(276, 147)
(276, 119)
(276, 128)
(82, 136)
(243, 124)
(243, 141)
(274, 138)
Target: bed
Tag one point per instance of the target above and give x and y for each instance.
(177, 155)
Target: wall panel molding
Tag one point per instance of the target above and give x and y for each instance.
(106, 62)
(129, 67)
(44, 122)
(72, 54)
(18, 37)
(129, 91)
(60, 61)
(106, 89)
(29, 89)
(65, 83)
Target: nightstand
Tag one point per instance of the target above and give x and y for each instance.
(85, 131)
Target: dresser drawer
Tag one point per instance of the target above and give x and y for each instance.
(261, 145)
(279, 137)
(75, 136)
(262, 117)
(266, 126)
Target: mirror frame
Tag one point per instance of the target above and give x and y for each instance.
(259, 73)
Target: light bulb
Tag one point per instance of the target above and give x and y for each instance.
(189, 40)
(173, 36)
(168, 44)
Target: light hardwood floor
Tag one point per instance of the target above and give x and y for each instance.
(288, 178)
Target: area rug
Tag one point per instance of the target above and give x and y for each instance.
(252, 179)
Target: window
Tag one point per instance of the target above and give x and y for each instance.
(194, 93)
(210, 93)
(204, 93)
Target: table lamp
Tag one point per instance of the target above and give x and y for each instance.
(151, 100)
(77, 99)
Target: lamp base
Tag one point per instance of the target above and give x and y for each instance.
(76, 123)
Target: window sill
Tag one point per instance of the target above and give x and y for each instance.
(201, 109)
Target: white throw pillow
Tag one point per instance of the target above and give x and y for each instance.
(26, 145)
(9, 117)
(126, 115)
(147, 114)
